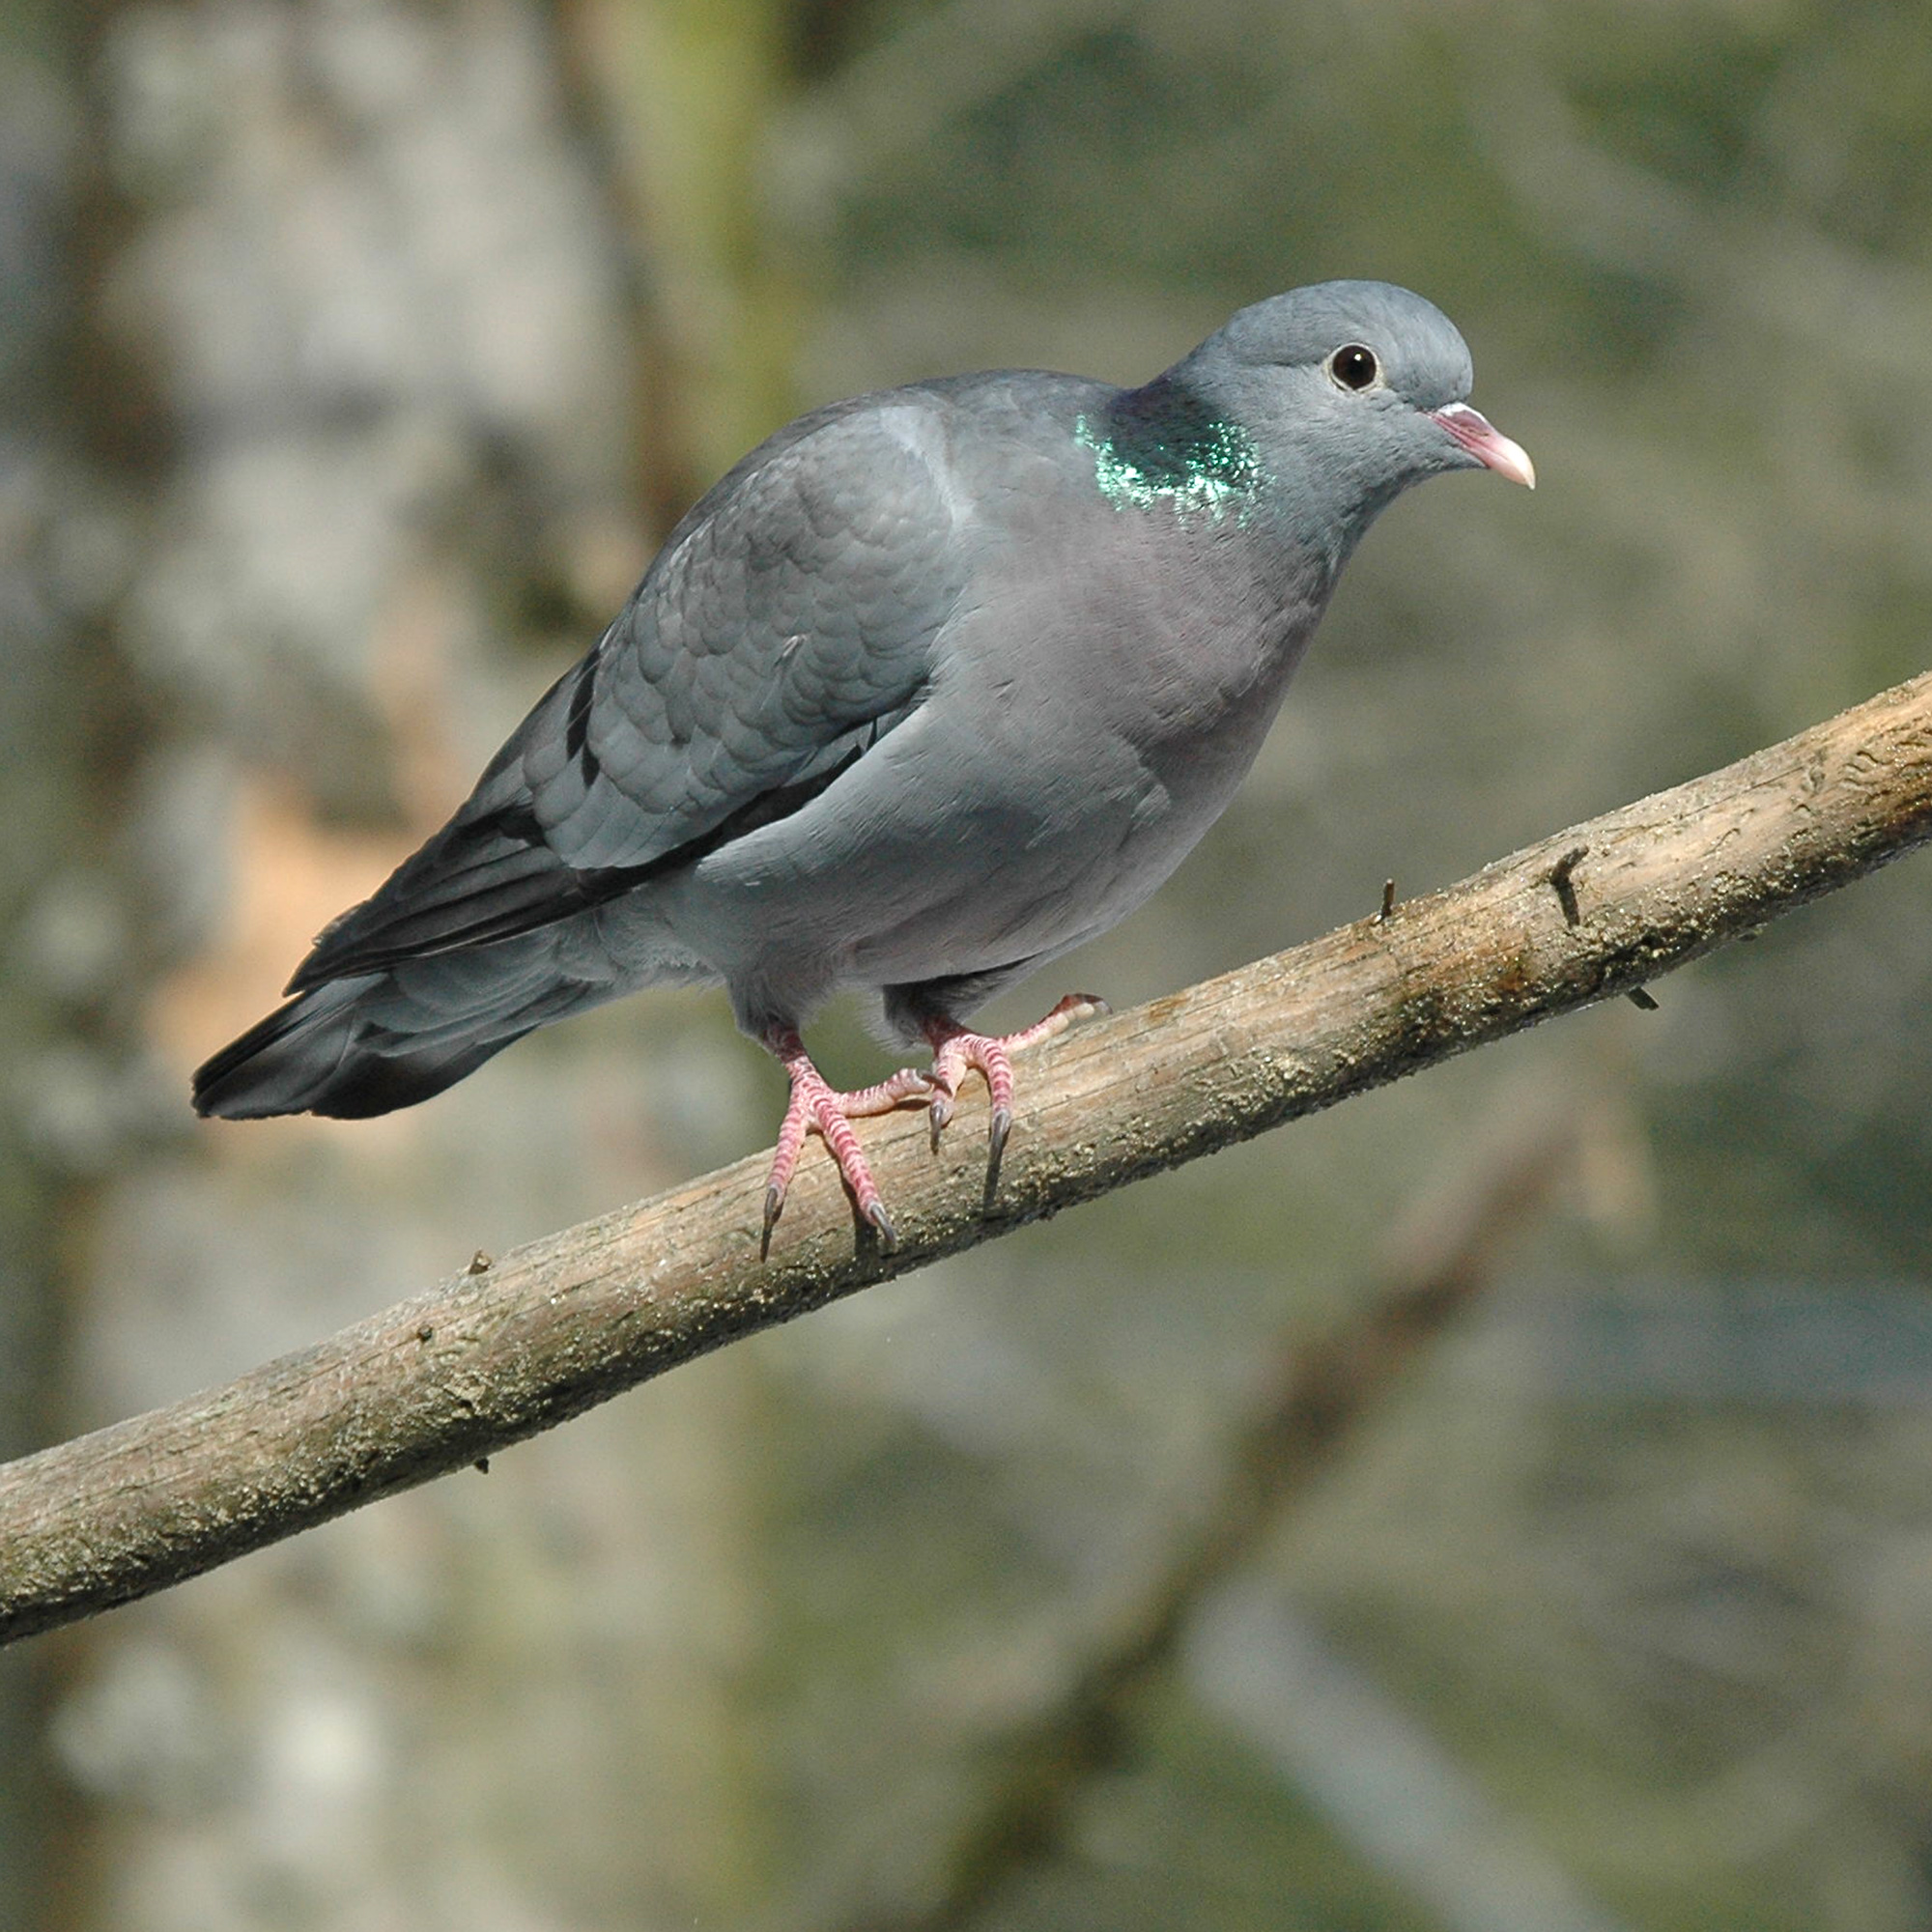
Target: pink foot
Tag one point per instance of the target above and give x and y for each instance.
(817, 1107)
(954, 1049)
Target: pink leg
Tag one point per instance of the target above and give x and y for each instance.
(954, 1049)
(817, 1107)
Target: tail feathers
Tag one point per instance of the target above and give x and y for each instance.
(381, 1040)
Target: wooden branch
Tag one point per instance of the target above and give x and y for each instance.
(490, 1359)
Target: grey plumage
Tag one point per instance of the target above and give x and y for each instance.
(934, 685)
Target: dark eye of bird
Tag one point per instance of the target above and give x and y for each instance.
(1354, 366)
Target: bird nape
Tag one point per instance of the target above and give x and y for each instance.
(931, 687)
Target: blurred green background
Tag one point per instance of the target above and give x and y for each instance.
(354, 355)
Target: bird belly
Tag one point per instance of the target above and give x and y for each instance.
(975, 888)
(930, 858)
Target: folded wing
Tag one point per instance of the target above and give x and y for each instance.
(786, 627)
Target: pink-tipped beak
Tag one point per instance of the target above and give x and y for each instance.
(1489, 445)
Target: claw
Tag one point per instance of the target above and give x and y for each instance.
(775, 1200)
(1002, 1126)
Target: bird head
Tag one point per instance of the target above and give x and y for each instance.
(1351, 391)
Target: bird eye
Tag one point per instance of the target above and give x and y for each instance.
(1354, 367)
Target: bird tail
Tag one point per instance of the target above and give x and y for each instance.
(376, 1041)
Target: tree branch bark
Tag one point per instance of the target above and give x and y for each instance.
(568, 1322)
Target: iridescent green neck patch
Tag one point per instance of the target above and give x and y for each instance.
(1153, 449)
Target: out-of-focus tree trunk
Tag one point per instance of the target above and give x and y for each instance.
(63, 1007)
(362, 394)
(688, 91)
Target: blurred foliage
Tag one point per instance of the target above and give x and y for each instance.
(431, 310)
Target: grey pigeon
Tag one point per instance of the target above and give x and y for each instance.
(933, 686)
